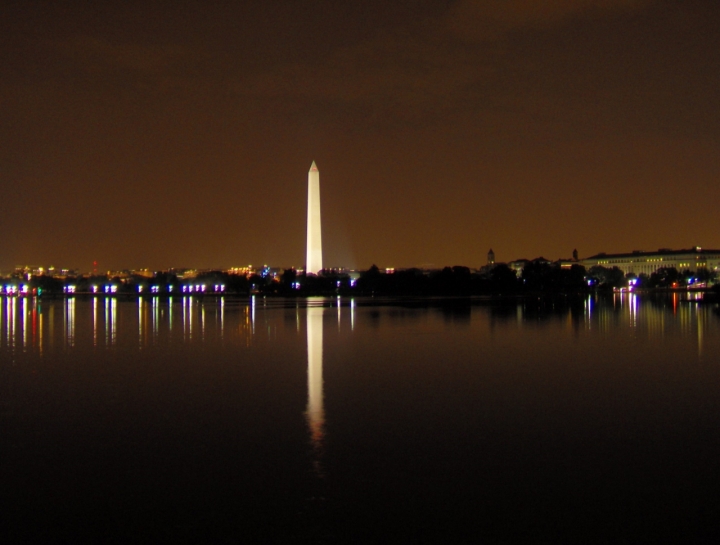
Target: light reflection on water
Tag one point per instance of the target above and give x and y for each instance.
(9, 316)
(29, 324)
(315, 408)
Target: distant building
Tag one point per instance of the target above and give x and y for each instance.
(639, 262)
(518, 265)
(242, 271)
(491, 258)
(185, 273)
(145, 273)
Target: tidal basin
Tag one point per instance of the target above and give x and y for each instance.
(218, 420)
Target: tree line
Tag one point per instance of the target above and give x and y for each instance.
(537, 276)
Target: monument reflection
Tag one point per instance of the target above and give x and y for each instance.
(315, 413)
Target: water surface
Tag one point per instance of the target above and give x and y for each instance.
(336, 420)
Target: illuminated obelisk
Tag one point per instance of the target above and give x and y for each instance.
(313, 263)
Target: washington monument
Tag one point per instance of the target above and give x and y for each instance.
(313, 262)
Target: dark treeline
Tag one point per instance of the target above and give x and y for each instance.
(450, 281)
(159, 283)
(537, 276)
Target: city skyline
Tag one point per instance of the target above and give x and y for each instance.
(599, 258)
(149, 135)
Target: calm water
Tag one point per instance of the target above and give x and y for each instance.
(336, 421)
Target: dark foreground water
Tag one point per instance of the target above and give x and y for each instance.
(336, 421)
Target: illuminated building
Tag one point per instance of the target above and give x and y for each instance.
(519, 264)
(313, 263)
(639, 262)
(243, 271)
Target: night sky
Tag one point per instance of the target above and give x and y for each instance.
(179, 134)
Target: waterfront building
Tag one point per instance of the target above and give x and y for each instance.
(640, 262)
